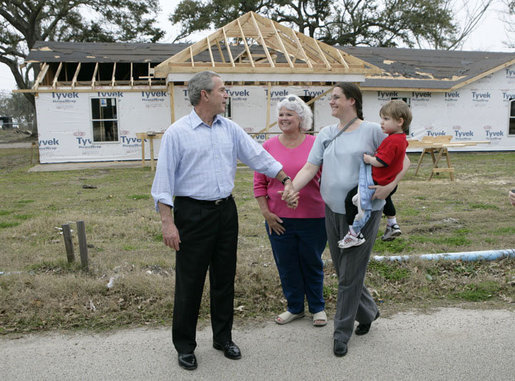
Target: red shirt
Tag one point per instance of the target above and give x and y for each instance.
(391, 154)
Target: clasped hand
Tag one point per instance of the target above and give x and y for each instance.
(290, 196)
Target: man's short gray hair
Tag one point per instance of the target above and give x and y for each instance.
(294, 103)
(200, 81)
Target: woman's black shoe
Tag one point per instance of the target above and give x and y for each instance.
(362, 329)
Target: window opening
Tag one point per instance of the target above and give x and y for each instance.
(228, 108)
(104, 116)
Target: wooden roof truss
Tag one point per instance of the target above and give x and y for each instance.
(255, 44)
(52, 76)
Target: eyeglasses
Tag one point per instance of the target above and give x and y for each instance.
(290, 99)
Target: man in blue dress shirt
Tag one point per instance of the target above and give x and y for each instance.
(197, 165)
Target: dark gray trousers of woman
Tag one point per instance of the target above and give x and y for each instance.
(354, 301)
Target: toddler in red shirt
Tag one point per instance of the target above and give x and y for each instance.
(386, 164)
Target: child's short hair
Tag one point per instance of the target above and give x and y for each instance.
(398, 109)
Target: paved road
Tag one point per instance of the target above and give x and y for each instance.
(449, 344)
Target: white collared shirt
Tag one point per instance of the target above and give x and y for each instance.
(199, 161)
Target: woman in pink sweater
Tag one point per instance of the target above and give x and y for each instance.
(297, 236)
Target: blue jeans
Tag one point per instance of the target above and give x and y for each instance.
(298, 256)
(365, 180)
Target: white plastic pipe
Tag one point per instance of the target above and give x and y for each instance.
(487, 255)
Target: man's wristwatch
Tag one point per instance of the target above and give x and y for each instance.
(285, 179)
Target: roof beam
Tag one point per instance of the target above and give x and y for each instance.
(299, 47)
(93, 77)
(74, 80)
(228, 47)
(285, 52)
(324, 58)
(220, 51)
(41, 75)
(245, 43)
(113, 77)
(210, 51)
(342, 59)
(56, 76)
(191, 57)
(263, 42)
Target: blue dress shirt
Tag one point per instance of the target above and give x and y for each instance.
(199, 161)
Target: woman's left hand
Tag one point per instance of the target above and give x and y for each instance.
(382, 191)
(274, 223)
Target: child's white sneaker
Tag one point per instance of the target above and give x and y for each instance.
(350, 240)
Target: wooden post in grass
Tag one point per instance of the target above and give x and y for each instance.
(68, 243)
(83, 246)
(34, 153)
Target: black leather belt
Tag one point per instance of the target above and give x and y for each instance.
(206, 202)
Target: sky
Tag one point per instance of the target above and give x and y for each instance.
(488, 36)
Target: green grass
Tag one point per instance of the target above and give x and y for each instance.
(484, 206)
(4, 225)
(41, 291)
(393, 271)
(478, 292)
(140, 197)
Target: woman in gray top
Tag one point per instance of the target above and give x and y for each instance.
(340, 148)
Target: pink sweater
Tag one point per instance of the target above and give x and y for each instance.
(311, 204)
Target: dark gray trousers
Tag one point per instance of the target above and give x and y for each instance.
(354, 301)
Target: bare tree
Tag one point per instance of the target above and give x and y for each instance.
(411, 23)
(23, 22)
(472, 13)
(508, 17)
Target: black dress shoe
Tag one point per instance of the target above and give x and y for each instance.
(340, 348)
(187, 361)
(362, 329)
(231, 350)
